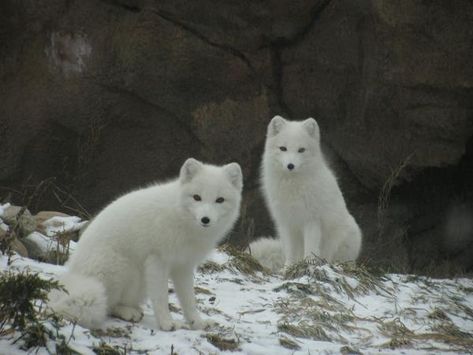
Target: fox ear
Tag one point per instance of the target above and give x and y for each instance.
(189, 169)
(235, 175)
(276, 125)
(312, 127)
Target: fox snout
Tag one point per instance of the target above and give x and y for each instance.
(206, 216)
(289, 161)
(205, 221)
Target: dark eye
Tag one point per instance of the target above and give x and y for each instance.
(220, 200)
(197, 198)
(301, 150)
(283, 149)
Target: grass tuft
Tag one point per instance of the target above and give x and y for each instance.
(224, 344)
(18, 294)
(243, 262)
(288, 343)
(304, 330)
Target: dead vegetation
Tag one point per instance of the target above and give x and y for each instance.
(316, 307)
(350, 278)
(22, 313)
(222, 343)
(242, 261)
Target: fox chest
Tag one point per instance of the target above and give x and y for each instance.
(294, 199)
(181, 248)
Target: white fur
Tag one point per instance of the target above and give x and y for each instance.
(268, 252)
(145, 237)
(306, 203)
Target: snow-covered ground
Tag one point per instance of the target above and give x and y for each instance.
(316, 308)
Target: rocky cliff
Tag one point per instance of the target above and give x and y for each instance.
(108, 95)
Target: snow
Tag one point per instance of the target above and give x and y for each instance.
(46, 244)
(3, 208)
(60, 224)
(3, 226)
(249, 307)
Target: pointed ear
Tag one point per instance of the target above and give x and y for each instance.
(312, 127)
(235, 175)
(276, 125)
(189, 169)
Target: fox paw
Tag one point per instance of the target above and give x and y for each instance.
(131, 314)
(170, 325)
(202, 324)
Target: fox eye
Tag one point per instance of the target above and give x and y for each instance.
(283, 149)
(220, 200)
(301, 150)
(197, 198)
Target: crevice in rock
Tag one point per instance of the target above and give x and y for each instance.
(277, 74)
(142, 100)
(299, 36)
(124, 6)
(277, 46)
(170, 18)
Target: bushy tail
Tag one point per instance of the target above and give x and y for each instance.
(269, 253)
(85, 301)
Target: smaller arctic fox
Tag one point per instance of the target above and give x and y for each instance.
(139, 241)
(303, 198)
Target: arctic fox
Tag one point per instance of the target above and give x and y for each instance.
(144, 238)
(303, 198)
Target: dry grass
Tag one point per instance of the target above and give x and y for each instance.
(304, 330)
(313, 307)
(210, 267)
(444, 331)
(243, 262)
(106, 349)
(224, 344)
(288, 343)
(385, 193)
(112, 332)
(350, 278)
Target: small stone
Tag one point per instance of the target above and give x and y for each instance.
(13, 243)
(43, 216)
(3, 233)
(36, 244)
(18, 247)
(26, 222)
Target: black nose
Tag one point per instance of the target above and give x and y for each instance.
(290, 166)
(205, 220)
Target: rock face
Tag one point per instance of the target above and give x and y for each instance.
(109, 95)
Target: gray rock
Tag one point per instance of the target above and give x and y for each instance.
(13, 243)
(390, 83)
(18, 247)
(43, 216)
(26, 222)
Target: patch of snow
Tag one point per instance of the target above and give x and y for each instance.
(60, 224)
(249, 308)
(3, 226)
(3, 208)
(218, 258)
(47, 244)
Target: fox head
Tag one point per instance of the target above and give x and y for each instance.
(211, 195)
(292, 146)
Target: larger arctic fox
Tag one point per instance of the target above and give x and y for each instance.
(145, 237)
(303, 197)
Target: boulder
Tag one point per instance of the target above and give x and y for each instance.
(13, 243)
(390, 84)
(18, 247)
(25, 221)
(44, 216)
(110, 95)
